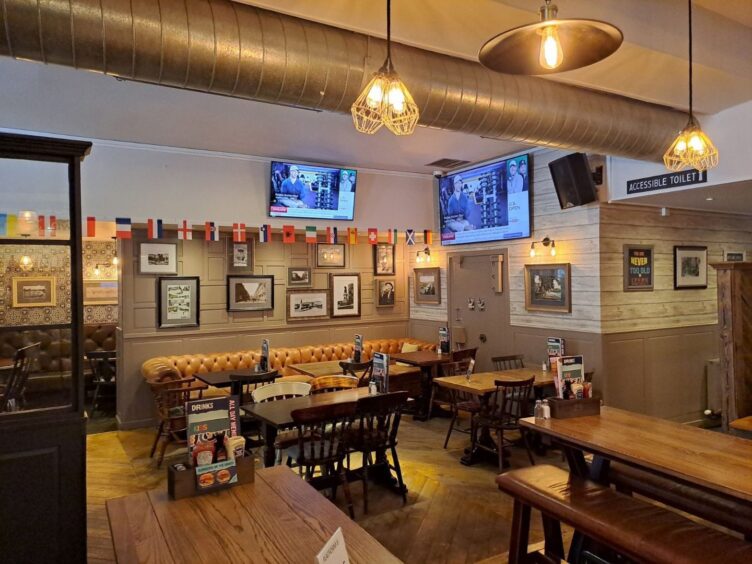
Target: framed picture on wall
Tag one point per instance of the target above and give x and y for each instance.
(240, 257)
(734, 255)
(307, 304)
(250, 293)
(690, 267)
(383, 259)
(386, 289)
(298, 276)
(638, 268)
(178, 301)
(427, 284)
(548, 287)
(345, 290)
(158, 258)
(330, 255)
(100, 292)
(34, 291)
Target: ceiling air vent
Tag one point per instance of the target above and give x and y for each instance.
(448, 163)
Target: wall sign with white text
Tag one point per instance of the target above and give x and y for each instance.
(663, 181)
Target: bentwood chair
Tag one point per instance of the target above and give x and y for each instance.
(374, 432)
(459, 401)
(360, 370)
(13, 392)
(280, 391)
(324, 384)
(243, 386)
(502, 413)
(103, 366)
(322, 432)
(508, 362)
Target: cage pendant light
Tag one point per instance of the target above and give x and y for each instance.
(691, 148)
(386, 100)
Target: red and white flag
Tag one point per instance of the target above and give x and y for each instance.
(373, 235)
(185, 231)
(238, 233)
(52, 229)
(42, 226)
(91, 226)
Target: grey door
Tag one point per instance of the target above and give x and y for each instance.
(479, 312)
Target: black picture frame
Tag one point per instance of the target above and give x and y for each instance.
(322, 262)
(388, 269)
(543, 283)
(294, 283)
(232, 300)
(385, 295)
(639, 268)
(231, 257)
(350, 305)
(163, 302)
(690, 262)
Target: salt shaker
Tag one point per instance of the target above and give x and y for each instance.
(372, 389)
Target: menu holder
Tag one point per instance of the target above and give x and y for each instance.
(568, 408)
(182, 483)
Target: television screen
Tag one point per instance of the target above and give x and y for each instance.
(308, 191)
(486, 203)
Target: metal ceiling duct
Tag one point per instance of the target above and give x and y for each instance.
(223, 47)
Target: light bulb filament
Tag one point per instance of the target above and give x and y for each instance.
(551, 54)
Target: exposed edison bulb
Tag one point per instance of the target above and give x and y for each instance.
(428, 258)
(532, 250)
(115, 261)
(375, 94)
(551, 54)
(97, 271)
(25, 262)
(396, 98)
(681, 147)
(553, 249)
(697, 144)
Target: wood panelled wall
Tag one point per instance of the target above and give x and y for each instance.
(220, 330)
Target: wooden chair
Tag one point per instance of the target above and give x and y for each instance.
(508, 362)
(280, 391)
(440, 395)
(375, 431)
(13, 393)
(458, 401)
(170, 397)
(324, 384)
(322, 432)
(360, 370)
(464, 354)
(103, 366)
(243, 386)
(503, 412)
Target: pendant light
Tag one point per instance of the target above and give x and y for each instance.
(550, 45)
(386, 100)
(691, 148)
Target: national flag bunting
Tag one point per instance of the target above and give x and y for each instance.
(3, 224)
(265, 233)
(238, 233)
(352, 235)
(391, 236)
(154, 229)
(42, 226)
(91, 226)
(428, 237)
(122, 227)
(331, 235)
(288, 234)
(185, 231)
(310, 234)
(52, 229)
(211, 231)
(410, 236)
(373, 235)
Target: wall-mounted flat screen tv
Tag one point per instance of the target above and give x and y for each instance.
(490, 202)
(309, 191)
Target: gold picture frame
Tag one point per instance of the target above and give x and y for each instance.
(34, 291)
(100, 292)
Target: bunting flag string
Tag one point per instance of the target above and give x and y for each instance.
(410, 236)
(265, 233)
(238, 233)
(391, 236)
(154, 229)
(185, 231)
(352, 235)
(91, 226)
(122, 227)
(373, 235)
(311, 235)
(428, 237)
(331, 235)
(288, 234)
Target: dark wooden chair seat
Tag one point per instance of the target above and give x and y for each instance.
(508, 362)
(634, 528)
(360, 370)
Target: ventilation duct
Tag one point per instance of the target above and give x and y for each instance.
(223, 47)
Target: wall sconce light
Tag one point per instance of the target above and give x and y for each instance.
(25, 263)
(115, 260)
(424, 256)
(546, 242)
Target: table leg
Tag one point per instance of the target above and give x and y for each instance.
(425, 394)
(270, 433)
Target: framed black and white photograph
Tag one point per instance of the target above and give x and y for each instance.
(548, 287)
(690, 267)
(250, 293)
(240, 257)
(158, 258)
(386, 289)
(734, 255)
(345, 290)
(307, 304)
(383, 259)
(298, 276)
(427, 282)
(330, 255)
(36, 291)
(178, 301)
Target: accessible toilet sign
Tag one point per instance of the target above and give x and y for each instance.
(663, 181)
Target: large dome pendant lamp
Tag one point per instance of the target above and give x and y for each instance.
(386, 100)
(550, 45)
(691, 148)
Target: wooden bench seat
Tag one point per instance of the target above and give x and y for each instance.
(635, 528)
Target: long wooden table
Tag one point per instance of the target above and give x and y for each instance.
(697, 457)
(277, 518)
(484, 383)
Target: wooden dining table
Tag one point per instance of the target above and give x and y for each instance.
(316, 369)
(276, 518)
(428, 362)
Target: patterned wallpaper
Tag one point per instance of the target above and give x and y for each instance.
(54, 261)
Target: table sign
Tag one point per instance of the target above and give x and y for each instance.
(334, 551)
(555, 349)
(638, 268)
(358, 348)
(211, 425)
(380, 373)
(570, 378)
(443, 340)
(670, 180)
(265, 355)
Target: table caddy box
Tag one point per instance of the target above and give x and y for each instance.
(567, 408)
(182, 483)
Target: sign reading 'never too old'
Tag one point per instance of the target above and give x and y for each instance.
(670, 180)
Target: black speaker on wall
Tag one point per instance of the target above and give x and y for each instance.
(573, 180)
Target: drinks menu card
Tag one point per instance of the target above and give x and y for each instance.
(210, 423)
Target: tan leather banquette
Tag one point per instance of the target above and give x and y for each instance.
(184, 366)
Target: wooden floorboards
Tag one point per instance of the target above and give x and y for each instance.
(454, 514)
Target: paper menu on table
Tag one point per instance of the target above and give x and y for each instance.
(334, 551)
(209, 421)
(358, 351)
(380, 372)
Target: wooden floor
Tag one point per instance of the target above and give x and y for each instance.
(454, 513)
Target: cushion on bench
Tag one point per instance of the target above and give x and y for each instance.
(636, 528)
